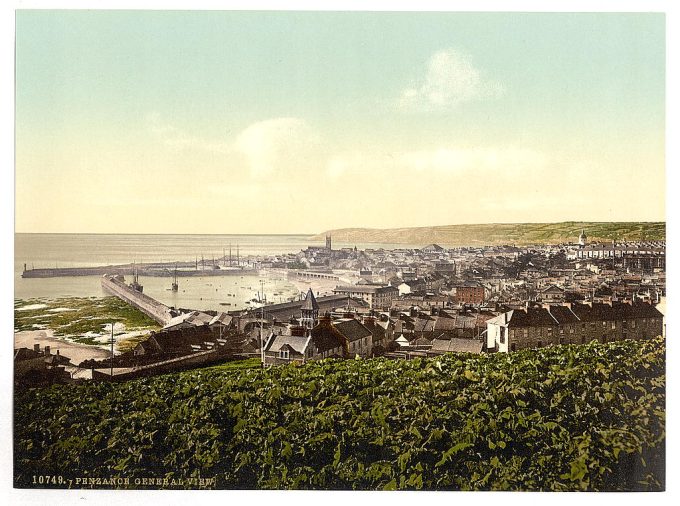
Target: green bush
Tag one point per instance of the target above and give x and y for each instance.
(588, 417)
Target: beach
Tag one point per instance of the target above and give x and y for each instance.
(75, 352)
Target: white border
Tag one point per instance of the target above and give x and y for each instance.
(12, 496)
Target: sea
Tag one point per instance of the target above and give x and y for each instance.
(220, 293)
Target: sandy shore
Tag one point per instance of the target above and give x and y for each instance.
(76, 352)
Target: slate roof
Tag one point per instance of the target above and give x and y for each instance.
(222, 318)
(532, 317)
(294, 343)
(456, 345)
(352, 329)
(310, 301)
(455, 322)
(541, 317)
(553, 289)
(325, 337)
(563, 315)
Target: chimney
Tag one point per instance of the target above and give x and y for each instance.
(36, 347)
(57, 353)
(47, 350)
(297, 331)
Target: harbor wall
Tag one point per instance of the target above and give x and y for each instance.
(147, 305)
(123, 270)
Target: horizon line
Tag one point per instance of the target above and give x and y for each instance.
(339, 228)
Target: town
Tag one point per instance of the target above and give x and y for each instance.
(403, 304)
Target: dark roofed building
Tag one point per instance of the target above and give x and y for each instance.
(359, 337)
(538, 326)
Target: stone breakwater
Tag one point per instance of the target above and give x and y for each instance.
(153, 271)
(115, 285)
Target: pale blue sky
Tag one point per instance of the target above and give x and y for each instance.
(194, 119)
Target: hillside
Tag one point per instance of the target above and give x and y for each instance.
(502, 233)
(588, 417)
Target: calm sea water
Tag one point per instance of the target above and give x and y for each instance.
(82, 250)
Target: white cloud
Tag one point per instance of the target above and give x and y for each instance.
(286, 147)
(276, 144)
(451, 79)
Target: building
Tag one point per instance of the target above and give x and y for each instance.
(35, 367)
(544, 325)
(359, 337)
(377, 297)
(470, 293)
(552, 294)
(309, 311)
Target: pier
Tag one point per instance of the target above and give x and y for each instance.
(150, 270)
(115, 285)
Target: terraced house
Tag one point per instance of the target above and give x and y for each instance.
(544, 325)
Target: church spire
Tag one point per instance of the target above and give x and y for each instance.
(309, 310)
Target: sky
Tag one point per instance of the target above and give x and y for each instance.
(301, 122)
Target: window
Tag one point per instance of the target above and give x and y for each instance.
(512, 347)
(613, 325)
(283, 354)
(540, 344)
(633, 324)
(502, 338)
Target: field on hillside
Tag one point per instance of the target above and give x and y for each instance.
(588, 417)
(504, 233)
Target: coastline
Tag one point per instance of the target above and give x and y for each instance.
(77, 353)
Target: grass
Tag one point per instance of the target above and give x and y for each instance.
(236, 365)
(84, 318)
(505, 233)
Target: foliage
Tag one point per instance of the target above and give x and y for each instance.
(588, 417)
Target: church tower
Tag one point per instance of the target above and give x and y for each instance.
(582, 239)
(310, 311)
(328, 242)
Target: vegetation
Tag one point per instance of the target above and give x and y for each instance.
(82, 319)
(588, 417)
(504, 233)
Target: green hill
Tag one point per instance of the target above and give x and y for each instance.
(503, 233)
(588, 417)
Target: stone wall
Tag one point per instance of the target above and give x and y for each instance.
(147, 305)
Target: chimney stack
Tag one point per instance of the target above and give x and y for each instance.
(47, 350)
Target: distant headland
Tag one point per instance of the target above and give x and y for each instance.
(504, 233)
